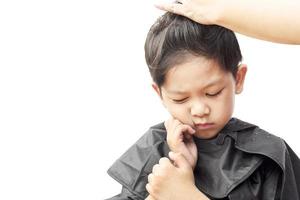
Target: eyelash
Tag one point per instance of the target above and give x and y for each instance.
(207, 94)
(179, 100)
(215, 94)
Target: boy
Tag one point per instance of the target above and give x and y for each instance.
(196, 71)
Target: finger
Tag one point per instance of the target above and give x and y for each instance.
(187, 136)
(164, 164)
(179, 160)
(155, 169)
(169, 122)
(170, 7)
(150, 178)
(188, 129)
(164, 161)
(171, 125)
(149, 190)
(182, 129)
(177, 135)
(174, 123)
(150, 198)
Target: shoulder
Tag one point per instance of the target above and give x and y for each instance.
(132, 168)
(261, 142)
(155, 134)
(254, 139)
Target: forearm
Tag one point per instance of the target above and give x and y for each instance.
(272, 20)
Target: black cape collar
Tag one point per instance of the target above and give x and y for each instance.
(133, 167)
(221, 166)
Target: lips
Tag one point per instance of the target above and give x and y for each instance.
(204, 126)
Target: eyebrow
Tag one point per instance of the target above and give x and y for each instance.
(176, 92)
(214, 82)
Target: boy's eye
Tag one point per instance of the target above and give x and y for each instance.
(214, 94)
(179, 100)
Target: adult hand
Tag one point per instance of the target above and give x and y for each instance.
(275, 21)
(201, 11)
(180, 140)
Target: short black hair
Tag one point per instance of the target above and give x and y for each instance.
(172, 37)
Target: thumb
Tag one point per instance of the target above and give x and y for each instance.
(179, 160)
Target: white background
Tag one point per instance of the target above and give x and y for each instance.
(75, 94)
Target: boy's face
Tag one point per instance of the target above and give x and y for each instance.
(199, 93)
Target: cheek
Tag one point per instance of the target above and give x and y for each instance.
(179, 112)
(226, 105)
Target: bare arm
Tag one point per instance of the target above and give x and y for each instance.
(272, 20)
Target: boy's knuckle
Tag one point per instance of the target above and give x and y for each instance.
(155, 169)
(150, 178)
(163, 161)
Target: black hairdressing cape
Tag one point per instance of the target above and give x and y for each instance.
(247, 163)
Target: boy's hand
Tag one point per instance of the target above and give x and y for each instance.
(150, 198)
(180, 140)
(173, 182)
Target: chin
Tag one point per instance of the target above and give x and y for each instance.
(206, 135)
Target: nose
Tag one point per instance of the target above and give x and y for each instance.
(199, 109)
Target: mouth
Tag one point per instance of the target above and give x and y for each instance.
(204, 126)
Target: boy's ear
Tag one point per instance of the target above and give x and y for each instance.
(156, 89)
(240, 78)
(158, 92)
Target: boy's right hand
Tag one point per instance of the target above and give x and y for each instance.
(180, 140)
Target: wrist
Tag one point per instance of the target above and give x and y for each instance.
(198, 195)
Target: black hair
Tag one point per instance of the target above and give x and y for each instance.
(172, 37)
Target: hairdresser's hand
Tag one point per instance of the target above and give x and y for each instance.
(201, 11)
(173, 180)
(180, 140)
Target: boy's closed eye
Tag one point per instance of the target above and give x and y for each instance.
(212, 94)
(179, 100)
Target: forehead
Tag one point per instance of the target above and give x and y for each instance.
(194, 70)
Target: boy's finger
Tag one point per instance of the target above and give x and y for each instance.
(149, 189)
(150, 178)
(150, 198)
(179, 160)
(188, 129)
(174, 124)
(179, 131)
(169, 122)
(188, 137)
